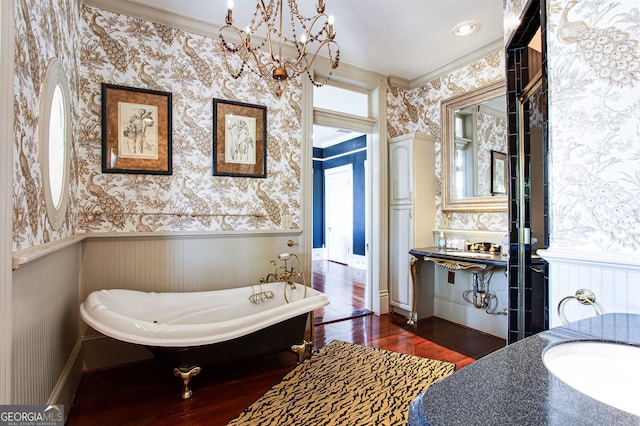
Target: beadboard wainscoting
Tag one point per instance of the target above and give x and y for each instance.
(45, 361)
(51, 345)
(173, 262)
(614, 278)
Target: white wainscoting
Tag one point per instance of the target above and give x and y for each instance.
(177, 263)
(46, 364)
(50, 343)
(614, 278)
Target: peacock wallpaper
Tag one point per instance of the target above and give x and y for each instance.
(594, 80)
(593, 63)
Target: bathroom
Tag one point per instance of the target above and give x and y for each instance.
(593, 192)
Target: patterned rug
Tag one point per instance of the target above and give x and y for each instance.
(347, 384)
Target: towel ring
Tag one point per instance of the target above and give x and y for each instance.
(584, 296)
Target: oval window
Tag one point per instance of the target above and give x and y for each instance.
(57, 158)
(55, 139)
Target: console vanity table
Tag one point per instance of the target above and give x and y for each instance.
(479, 262)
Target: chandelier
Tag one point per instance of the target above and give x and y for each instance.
(309, 36)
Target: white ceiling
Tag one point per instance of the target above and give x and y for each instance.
(403, 38)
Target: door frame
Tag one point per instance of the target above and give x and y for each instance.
(347, 168)
(521, 269)
(375, 126)
(7, 45)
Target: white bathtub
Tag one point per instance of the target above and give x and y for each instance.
(193, 319)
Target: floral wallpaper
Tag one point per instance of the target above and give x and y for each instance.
(128, 51)
(512, 9)
(492, 136)
(594, 81)
(44, 30)
(418, 110)
(593, 57)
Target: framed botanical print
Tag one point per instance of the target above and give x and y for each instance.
(239, 139)
(136, 130)
(499, 173)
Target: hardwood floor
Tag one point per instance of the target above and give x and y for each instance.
(147, 394)
(345, 288)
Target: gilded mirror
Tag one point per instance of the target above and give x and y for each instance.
(475, 169)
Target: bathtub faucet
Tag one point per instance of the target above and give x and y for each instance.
(286, 273)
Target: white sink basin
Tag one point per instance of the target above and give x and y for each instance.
(607, 372)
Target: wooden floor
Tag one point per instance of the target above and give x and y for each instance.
(345, 288)
(148, 394)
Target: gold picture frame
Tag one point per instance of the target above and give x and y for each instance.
(239, 139)
(136, 130)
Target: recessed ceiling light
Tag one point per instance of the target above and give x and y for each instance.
(465, 29)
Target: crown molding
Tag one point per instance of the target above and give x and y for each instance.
(400, 82)
(158, 15)
(346, 73)
(493, 47)
(350, 75)
(342, 120)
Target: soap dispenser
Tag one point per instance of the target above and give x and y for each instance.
(442, 242)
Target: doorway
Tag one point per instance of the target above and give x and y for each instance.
(339, 267)
(338, 195)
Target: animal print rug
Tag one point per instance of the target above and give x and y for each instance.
(347, 384)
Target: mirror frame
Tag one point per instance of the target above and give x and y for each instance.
(448, 107)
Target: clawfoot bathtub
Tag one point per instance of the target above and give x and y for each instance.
(190, 330)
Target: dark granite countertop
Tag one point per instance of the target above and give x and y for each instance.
(513, 387)
(489, 259)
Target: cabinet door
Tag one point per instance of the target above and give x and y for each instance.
(400, 242)
(401, 172)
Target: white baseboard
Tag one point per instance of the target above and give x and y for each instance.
(67, 385)
(384, 302)
(319, 254)
(358, 262)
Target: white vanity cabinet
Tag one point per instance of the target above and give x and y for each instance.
(412, 210)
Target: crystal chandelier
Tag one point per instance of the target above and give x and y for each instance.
(309, 36)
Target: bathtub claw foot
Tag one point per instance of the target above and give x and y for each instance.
(185, 374)
(302, 350)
